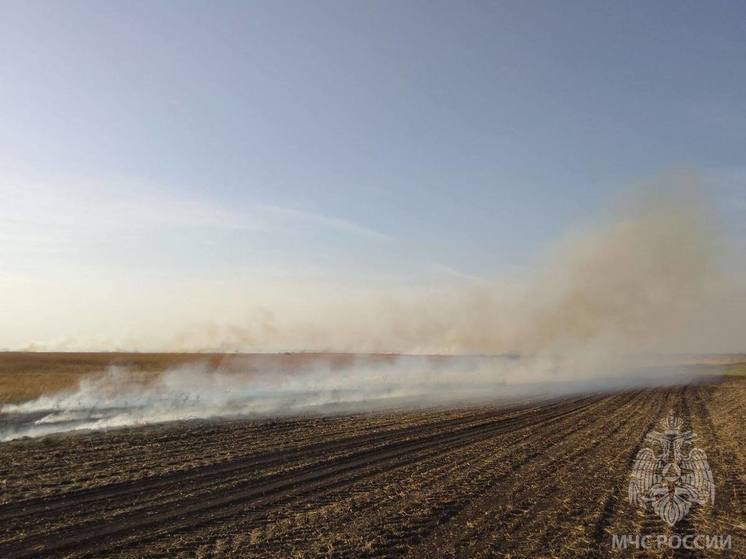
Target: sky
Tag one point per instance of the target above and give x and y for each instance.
(193, 171)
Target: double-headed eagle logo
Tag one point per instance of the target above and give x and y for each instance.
(671, 482)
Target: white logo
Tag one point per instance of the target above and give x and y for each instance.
(671, 482)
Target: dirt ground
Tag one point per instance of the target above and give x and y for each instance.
(534, 479)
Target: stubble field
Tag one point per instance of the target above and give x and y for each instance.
(544, 478)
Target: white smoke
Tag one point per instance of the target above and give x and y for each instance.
(608, 298)
(120, 397)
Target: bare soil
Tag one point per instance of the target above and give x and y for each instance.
(533, 479)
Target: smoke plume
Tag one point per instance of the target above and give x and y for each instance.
(608, 300)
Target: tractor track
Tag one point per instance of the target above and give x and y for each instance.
(482, 482)
(193, 510)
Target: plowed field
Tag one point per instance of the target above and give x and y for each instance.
(532, 479)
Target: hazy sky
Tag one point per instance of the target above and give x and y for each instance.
(170, 164)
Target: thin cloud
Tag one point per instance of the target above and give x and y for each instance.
(86, 210)
(459, 274)
(326, 222)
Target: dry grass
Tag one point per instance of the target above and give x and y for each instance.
(738, 369)
(27, 375)
(24, 376)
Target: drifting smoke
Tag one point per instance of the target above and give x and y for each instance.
(631, 287)
(121, 397)
(607, 300)
(634, 284)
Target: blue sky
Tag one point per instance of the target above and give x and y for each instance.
(345, 143)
